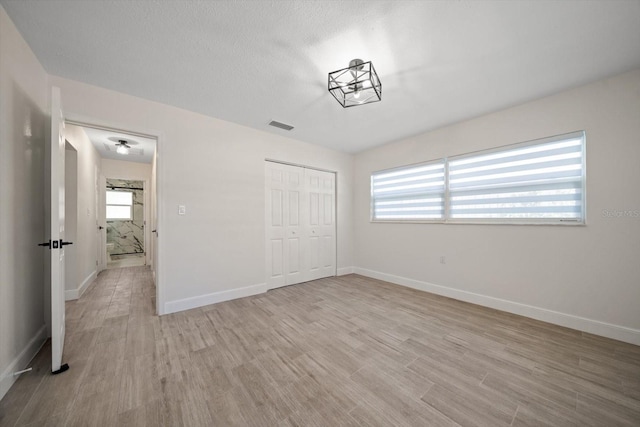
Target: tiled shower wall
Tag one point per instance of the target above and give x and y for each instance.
(127, 236)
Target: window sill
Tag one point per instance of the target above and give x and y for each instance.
(479, 222)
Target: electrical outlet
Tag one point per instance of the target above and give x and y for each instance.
(443, 260)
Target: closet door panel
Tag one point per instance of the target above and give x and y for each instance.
(300, 224)
(321, 230)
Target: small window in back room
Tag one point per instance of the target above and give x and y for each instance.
(119, 205)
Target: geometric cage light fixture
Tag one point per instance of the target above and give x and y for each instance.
(358, 84)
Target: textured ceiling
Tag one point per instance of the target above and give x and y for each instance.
(105, 141)
(249, 62)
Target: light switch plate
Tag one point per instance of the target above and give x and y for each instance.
(182, 210)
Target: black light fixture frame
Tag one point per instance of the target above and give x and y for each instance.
(342, 91)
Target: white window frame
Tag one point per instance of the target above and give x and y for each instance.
(130, 206)
(496, 221)
(399, 169)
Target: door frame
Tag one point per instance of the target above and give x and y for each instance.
(146, 212)
(157, 264)
(71, 221)
(101, 219)
(335, 201)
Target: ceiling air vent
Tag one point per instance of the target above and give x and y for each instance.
(280, 125)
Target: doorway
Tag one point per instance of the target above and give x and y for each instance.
(125, 209)
(300, 212)
(135, 167)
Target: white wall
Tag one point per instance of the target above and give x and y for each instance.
(23, 123)
(86, 241)
(584, 277)
(216, 169)
(126, 170)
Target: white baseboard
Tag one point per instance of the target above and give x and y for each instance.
(344, 271)
(74, 294)
(213, 298)
(22, 360)
(595, 327)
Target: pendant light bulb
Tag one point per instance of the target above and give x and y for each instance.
(122, 147)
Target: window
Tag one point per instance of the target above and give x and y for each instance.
(119, 205)
(540, 181)
(414, 192)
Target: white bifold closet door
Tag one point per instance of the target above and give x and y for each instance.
(300, 224)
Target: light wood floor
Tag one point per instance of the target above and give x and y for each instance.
(346, 351)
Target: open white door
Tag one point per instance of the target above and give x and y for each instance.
(57, 242)
(101, 220)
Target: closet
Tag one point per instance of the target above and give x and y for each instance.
(300, 214)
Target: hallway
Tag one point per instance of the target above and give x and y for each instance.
(111, 323)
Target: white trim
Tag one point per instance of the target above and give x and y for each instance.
(213, 298)
(595, 327)
(22, 360)
(158, 250)
(73, 294)
(158, 266)
(344, 271)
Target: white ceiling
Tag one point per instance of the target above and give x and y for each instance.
(249, 62)
(105, 141)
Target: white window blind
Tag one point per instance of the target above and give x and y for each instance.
(118, 212)
(409, 193)
(120, 198)
(119, 205)
(540, 180)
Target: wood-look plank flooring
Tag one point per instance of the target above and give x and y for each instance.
(346, 351)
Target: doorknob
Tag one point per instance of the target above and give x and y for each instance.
(100, 227)
(55, 244)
